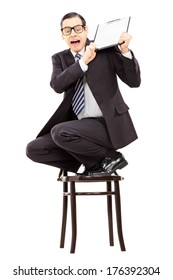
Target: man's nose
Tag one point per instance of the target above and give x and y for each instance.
(73, 32)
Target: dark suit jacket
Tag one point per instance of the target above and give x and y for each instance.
(102, 80)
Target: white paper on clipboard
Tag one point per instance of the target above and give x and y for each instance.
(107, 34)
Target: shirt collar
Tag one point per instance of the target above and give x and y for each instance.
(81, 52)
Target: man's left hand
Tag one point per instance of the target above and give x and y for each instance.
(124, 41)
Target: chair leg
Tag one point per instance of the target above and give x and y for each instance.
(109, 208)
(73, 216)
(118, 215)
(64, 215)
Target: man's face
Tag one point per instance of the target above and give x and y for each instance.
(75, 41)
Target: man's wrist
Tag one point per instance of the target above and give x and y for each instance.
(83, 66)
(126, 50)
(128, 54)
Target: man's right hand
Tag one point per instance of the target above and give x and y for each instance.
(90, 53)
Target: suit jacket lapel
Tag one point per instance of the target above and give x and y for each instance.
(68, 58)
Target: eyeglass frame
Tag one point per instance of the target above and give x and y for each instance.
(73, 28)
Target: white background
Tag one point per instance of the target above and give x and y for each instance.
(31, 197)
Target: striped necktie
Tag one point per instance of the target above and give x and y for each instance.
(78, 101)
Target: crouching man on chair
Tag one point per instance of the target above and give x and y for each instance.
(92, 123)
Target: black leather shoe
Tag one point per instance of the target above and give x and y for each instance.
(107, 166)
(111, 164)
(97, 172)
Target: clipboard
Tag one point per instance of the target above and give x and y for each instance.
(107, 34)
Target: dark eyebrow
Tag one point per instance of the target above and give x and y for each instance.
(71, 26)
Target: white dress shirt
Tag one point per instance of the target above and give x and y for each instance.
(91, 108)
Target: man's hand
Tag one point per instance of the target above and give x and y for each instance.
(124, 41)
(90, 53)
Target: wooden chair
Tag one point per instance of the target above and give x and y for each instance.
(71, 181)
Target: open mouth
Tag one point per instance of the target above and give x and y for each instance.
(75, 42)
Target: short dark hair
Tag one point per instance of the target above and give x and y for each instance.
(72, 15)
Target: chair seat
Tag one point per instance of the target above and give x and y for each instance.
(82, 178)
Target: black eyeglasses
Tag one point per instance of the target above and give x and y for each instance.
(77, 28)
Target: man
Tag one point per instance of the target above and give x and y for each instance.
(91, 132)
